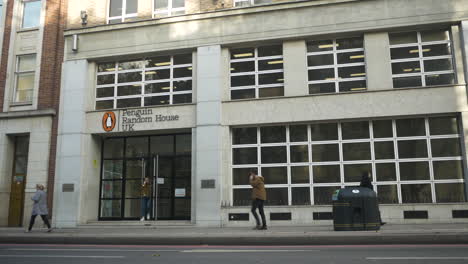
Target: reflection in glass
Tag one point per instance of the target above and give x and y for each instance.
(413, 81)
(321, 74)
(157, 100)
(242, 94)
(299, 153)
(242, 197)
(403, 38)
(240, 176)
(298, 133)
(440, 79)
(413, 171)
(111, 189)
(323, 195)
(408, 149)
(300, 196)
(382, 128)
(131, 102)
(244, 156)
(110, 208)
(385, 172)
(322, 132)
(450, 192)
(275, 175)
(182, 98)
(244, 66)
(350, 43)
(356, 151)
(319, 60)
(183, 144)
(325, 152)
(353, 172)
(243, 80)
(446, 147)
(300, 174)
(416, 193)
(112, 169)
(355, 130)
(387, 194)
(128, 90)
(31, 14)
(267, 51)
(384, 150)
(162, 145)
(133, 187)
(315, 88)
(277, 196)
(104, 104)
(273, 154)
(113, 148)
(273, 134)
(326, 173)
(244, 135)
(448, 169)
(445, 125)
(320, 45)
(133, 208)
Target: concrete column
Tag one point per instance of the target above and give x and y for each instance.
(378, 65)
(295, 68)
(458, 54)
(464, 135)
(464, 46)
(70, 143)
(207, 137)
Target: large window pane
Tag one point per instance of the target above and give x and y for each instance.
(131, 102)
(242, 197)
(245, 135)
(136, 147)
(112, 169)
(105, 79)
(387, 194)
(440, 79)
(244, 156)
(356, 151)
(382, 128)
(300, 196)
(270, 91)
(183, 144)
(443, 125)
(273, 134)
(448, 169)
(450, 192)
(275, 175)
(272, 64)
(315, 88)
(300, 174)
(31, 14)
(385, 172)
(321, 74)
(319, 60)
(408, 149)
(410, 127)
(111, 208)
(268, 51)
(115, 8)
(438, 65)
(111, 189)
(162, 145)
(326, 173)
(319, 45)
(325, 152)
(274, 154)
(113, 148)
(434, 35)
(277, 196)
(403, 38)
(244, 66)
(299, 153)
(323, 195)
(446, 147)
(298, 133)
(384, 150)
(353, 172)
(321, 132)
(133, 188)
(355, 130)
(242, 94)
(401, 82)
(240, 176)
(416, 193)
(349, 43)
(413, 171)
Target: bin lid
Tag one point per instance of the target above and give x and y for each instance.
(356, 192)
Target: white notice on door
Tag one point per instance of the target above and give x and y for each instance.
(179, 192)
(160, 180)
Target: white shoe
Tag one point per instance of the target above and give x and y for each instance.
(142, 219)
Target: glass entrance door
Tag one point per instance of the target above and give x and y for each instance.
(173, 189)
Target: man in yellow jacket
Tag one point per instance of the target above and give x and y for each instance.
(258, 198)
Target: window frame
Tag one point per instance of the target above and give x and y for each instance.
(143, 82)
(18, 73)
(336, 66)
(421, 59)
(23, 5)
(123, 17)
(168, 11)
(256, 73)
(340, 141)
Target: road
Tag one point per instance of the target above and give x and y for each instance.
(116, 254)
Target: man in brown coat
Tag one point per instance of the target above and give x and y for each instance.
(258, 198)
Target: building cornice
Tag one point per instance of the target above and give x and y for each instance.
(26, 114)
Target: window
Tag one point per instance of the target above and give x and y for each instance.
(257, 72)
(241, 3)
(421, 58)
(153, 81)
(25, 75)
(31, 13)
(122, 10)
(336, 65)
(304, 164)
(164, 8)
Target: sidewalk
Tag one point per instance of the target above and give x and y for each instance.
(191, 235)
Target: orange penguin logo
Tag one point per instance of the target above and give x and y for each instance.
(108, 121)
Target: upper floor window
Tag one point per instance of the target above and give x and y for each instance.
(122, 10)
(25, 75)
(421, 58)
(240, 3)
(257, 72)
(31, 13)
(163, 8)
(336, 65)
(154, 81)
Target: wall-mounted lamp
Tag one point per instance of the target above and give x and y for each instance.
(84, 18)
(75, 43)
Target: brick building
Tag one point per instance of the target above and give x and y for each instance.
(31, 41)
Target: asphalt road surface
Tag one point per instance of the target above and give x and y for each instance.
(116, 254)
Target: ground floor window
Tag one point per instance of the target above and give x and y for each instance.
(412, 160)
(164, 159)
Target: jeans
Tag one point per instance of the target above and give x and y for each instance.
(257, 203)
(145, 206)
(33, 218)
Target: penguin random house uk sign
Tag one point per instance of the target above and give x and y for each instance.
(127, 120)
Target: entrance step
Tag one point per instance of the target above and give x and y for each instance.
(137, 223)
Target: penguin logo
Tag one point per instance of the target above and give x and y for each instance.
(108, 121)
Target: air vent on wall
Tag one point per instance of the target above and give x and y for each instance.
(322, 216)
(280, 216)
(238, 217)
(460, 213)
(415, 215)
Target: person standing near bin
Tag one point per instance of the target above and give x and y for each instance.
(366, 182)
(258, 198)
(145, 199)
(39, 207)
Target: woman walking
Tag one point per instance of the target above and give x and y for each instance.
(258, 198)
(39, 207)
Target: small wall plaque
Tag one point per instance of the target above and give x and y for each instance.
(68, 187)
(207, 184)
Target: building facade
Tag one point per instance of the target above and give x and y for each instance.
(194, 94)
(31, 41)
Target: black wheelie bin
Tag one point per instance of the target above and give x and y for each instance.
(355, 208)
